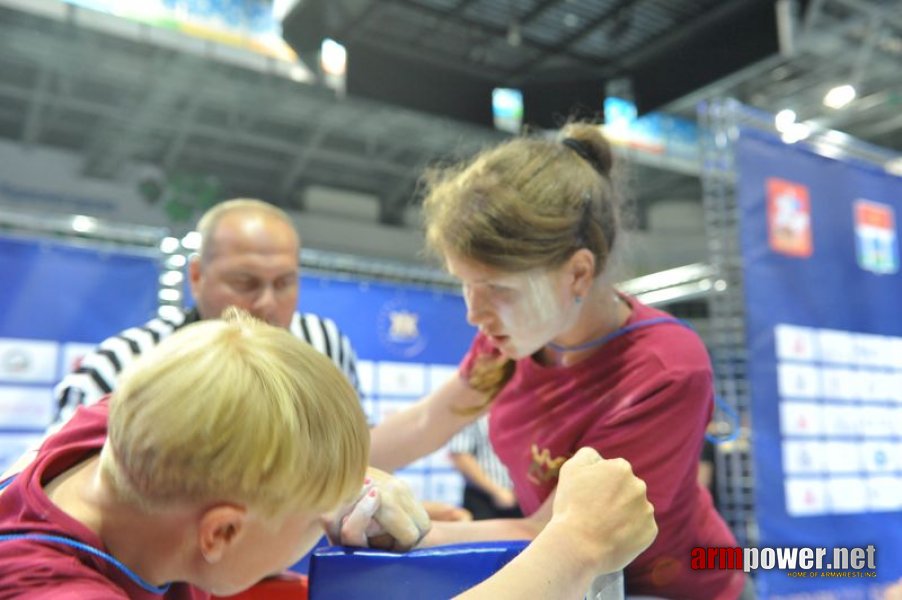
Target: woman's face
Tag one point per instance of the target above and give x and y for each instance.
(519, 312)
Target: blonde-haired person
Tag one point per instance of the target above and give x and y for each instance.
(133, 498)
(210, 465)
(562, 359)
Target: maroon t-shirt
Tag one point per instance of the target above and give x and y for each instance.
(645, 396)
(51, 570)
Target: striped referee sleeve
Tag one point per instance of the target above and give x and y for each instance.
(98, 372)
(474, 439)
(325, 337)
(464, 441)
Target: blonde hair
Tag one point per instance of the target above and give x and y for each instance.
(528, 203)
(208, 222)
(235, 410)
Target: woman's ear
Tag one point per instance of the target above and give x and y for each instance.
(580, 272)
(220, 527)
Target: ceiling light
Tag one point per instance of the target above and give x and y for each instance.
(333, 58)
(839, 96)
(83, 224)
(171, 278)
(168, 245)
(784, 119)
(191, 241)
(795, 132)
(169, 295)
(176, 261)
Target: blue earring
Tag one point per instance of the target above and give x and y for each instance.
(578, 299)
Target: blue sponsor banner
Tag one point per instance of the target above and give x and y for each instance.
(57, 291)
(823, 288)
(57, 300)
(390, 321)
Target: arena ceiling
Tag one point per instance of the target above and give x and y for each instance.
(117, 95)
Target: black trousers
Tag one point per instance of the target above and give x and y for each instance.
(480, 504)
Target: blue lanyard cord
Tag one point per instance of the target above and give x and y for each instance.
(616, 334)
(40, 537)
(732, 416)
(5, 483)
(732, 419)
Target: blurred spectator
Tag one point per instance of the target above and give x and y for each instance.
(487, 493)
(707, 470)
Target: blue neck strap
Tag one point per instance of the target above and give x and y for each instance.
(616, 334)
(56, 539)
(732, 415)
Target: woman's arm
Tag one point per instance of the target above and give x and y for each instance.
(601, 521)
(525, 528)
(424, 427)
(488, 530)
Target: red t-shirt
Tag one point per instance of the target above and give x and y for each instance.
(51, 570)
(645, 396)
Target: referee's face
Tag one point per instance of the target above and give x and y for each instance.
(251, 263)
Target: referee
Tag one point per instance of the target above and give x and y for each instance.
(249, 258)
(487, 493)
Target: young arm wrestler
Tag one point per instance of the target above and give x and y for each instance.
(562, 359)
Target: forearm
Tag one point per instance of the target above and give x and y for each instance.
(424, 427)
(599, 521)
(403, 438)
(549, 568)
(456, 532)
(468, 466)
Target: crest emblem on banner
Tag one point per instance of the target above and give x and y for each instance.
(400, 330)
(876, 243)
(789, 218)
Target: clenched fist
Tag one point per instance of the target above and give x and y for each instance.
(603, 507)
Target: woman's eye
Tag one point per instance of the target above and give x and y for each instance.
(502, 292)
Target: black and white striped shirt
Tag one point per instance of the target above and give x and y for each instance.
(474, 439)
(98, 372)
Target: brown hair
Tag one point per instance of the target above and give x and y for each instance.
(528, 203)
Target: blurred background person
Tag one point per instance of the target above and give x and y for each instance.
(488, 492)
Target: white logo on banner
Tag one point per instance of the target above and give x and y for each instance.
(28, 361)
(805, 497)
(25, 407)
(840, 419)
